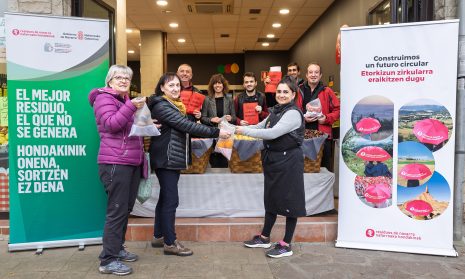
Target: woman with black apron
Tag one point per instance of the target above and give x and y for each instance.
(283, 167)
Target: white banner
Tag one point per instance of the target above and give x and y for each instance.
(398, 85)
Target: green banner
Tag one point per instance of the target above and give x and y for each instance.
(55, 192)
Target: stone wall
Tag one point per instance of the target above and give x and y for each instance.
(46, 7)
(445, 9)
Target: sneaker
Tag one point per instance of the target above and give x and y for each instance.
(279, 251)
(177, 249)
(258, 242)
(158, 242)
(115, 267)
(126, 256)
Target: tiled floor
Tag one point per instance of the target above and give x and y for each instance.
(322, 228)
(319, 228)
(4, 227)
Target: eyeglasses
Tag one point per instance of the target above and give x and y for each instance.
(120, 78)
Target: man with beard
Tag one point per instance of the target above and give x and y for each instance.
(251, 95)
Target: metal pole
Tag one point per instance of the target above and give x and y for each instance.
(394, 6)
(416, 10)
(460, 129)
(404, 11)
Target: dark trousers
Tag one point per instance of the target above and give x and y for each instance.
(270, 219)
(168, 201)
(270, 99)
(121, 183)
(217, 160)
(327, 159)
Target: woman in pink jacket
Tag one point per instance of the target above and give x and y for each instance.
(120, 162)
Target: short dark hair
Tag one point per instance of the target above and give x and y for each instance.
(294, 64)
(317, 64)
(249, 74)
(166, 77)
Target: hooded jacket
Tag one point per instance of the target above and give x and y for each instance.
(171, 150)
(114, 116)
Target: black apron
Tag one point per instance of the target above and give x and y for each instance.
(284, 182)
(283, 169)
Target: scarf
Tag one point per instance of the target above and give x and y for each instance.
(278, 109)
(178, 103)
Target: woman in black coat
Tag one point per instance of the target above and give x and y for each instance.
(169, 154)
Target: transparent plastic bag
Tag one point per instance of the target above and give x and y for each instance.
(145, 187)
(313, 108)
(225, 146)
(143, 124)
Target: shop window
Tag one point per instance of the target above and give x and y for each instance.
(400, 11)
(97, 9)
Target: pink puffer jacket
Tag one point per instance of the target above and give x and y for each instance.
(114, 116)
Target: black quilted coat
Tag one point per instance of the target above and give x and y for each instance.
(170, 150)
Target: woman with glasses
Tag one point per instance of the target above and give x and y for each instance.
(120, 162)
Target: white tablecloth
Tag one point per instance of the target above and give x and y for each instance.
(235, 195)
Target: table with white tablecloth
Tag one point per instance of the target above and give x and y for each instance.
(235, 195)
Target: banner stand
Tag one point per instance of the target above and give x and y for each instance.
(56, 197)
(402, 249)
(398, 114)
(81, 243)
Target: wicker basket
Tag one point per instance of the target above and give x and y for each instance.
(314, 165)
(252, 165)
(199, 165)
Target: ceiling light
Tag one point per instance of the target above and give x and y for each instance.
(174, 25)
(284, 11)
(131, 51)
(128, 30)
(270, 36)
(181, 40)
(276, 25)
(162, 3)
(167, 11)
(140, 44)
(265, 44)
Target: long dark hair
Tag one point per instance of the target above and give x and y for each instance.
(166, 77)
(214, 79)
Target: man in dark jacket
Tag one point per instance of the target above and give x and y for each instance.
(310, 90)
(251, 95)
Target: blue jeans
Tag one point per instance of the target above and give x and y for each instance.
(168, 201)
